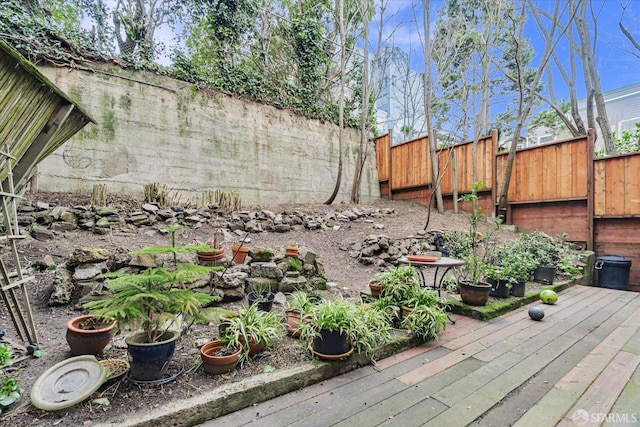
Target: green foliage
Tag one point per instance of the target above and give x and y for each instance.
(402, 288)
(154, 298)
(567, 268)
(399, 284)
(262, 326)
(294, 264)
(367, 329)
(480, 246)
(511, 261)
(626, 142)
(5, 354)
(301, 300)
(9, 390)
(544, 249)
(425, 321)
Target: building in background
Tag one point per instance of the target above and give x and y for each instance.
(399, 96)
(623, 111)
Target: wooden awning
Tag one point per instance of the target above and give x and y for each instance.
(36, 117)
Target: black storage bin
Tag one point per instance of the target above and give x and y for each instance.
(613, 272)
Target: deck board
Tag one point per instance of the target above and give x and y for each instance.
(584, 355)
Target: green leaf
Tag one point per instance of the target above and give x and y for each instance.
(268, 368)
(101, 401)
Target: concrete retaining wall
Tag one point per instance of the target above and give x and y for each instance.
(156, 129)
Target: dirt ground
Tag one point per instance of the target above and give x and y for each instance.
(124, 397)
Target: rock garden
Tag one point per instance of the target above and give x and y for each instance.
(142, 265)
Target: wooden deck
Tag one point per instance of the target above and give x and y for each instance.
(578, 366)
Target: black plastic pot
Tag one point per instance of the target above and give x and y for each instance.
(331, 342)
(263, 299)
(544, 274)
(149, 361)
(499, 288)
(519, 288)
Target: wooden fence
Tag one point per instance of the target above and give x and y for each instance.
(556, 188)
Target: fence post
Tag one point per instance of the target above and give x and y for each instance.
(389, 168)
(590, 187)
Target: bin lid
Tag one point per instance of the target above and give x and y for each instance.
(614, 259)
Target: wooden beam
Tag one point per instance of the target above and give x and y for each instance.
(23, 168)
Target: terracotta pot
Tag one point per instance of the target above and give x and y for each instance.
(208, 256)
(217, 364)
(293, 321)
(474, 294)
(239, 253)
(376, 289)
(405, 311)
(88, 335)
(291, 251)
(255, 347)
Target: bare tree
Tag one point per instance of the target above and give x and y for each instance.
(592, 79)
(136, 21)
(428, 47)
(343, 65)
(627, 33)
(527, 93)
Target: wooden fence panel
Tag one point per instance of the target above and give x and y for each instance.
(410, 164)
(616, 186)
(464, 165)
(382, 156)
(548, 172)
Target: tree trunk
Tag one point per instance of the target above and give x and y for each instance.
(341, 103)
(435, 179)
(588, 59)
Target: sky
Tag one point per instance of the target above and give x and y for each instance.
(616, 65)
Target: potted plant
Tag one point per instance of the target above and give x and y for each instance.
(253, 330)
(425, 321)
(546, 254)
(376, 288)
(299, 303)
(513, 264)
(335, 329)
(151, 301)
(399, 283)
(89, 334)
(423, 311)
(262, 296)
(212, 250)
(500, 279)
(474, 290)
(218, 357)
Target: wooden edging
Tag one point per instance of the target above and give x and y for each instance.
(234, 396)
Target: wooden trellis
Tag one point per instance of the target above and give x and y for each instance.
(14, 281)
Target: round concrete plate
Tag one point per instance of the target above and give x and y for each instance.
(67, 383)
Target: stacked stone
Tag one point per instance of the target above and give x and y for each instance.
(44, 221)
(76, 281)
(384, 252)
